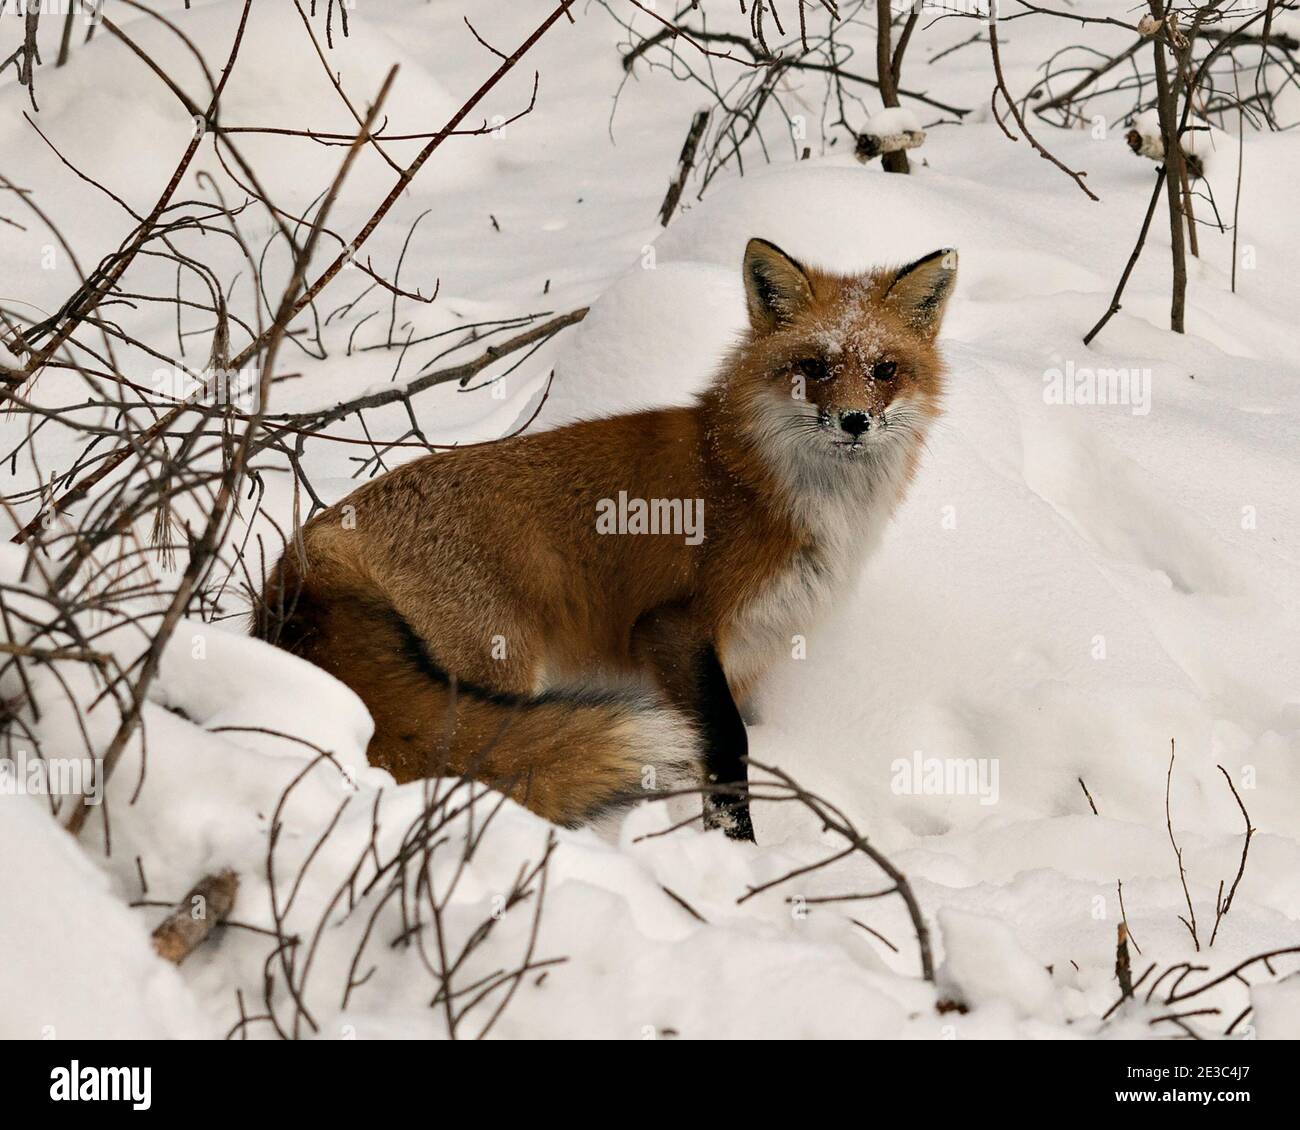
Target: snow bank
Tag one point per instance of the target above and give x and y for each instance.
(78, 963)
(985, 965)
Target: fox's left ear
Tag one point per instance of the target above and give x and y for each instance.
(920, 290)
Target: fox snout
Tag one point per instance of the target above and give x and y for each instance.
(853, 427)
(854, 422)
(855, 403)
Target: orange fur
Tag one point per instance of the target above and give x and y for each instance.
(491, 629)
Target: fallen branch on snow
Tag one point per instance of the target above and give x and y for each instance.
(205, 907)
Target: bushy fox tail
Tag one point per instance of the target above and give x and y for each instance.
(569, 756)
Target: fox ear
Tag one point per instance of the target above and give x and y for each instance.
(920, 290)
(776, 287)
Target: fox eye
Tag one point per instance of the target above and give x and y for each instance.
(884, 370)
(814, 368)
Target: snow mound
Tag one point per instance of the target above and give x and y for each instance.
(985, 965)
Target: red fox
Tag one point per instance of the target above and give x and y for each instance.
(573, 615)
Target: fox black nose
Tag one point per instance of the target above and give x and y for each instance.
(855, 423)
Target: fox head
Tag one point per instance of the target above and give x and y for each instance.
(839, 368)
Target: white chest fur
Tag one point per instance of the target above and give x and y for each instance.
(843, 521)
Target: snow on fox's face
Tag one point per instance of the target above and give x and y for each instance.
(842, 367)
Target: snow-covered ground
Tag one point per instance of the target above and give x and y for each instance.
(1068, 588)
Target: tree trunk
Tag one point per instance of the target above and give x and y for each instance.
(895, 162)
(1168, 111)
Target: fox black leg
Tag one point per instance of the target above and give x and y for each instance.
(690, 676)
(725, 749)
